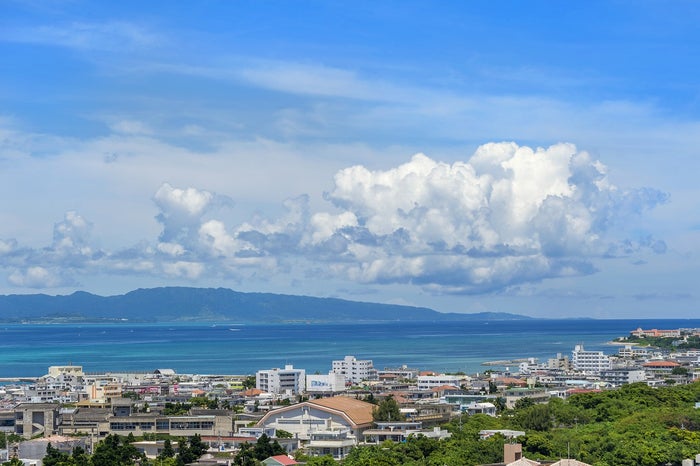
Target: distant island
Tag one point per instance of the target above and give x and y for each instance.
(172, 304)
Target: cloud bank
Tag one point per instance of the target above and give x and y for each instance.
(507, 216)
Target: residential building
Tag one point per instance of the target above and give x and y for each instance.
(281, 381)
(537, 395)
(589, 362)
(428, 382)
(480, 408)
(400, 432)
(629, 351)
(619, 377)
(336, 443)
(355, 370)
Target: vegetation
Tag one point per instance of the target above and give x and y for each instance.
(667, 343)
(252, 455)
(635, 425)
(176, 409)
(6, 439)
(388, 410)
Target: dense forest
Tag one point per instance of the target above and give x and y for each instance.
(635, 425)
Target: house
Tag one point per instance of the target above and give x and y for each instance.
(480, 408)
(401, 431)
(303, 419)
(336, 443)
(279, 460)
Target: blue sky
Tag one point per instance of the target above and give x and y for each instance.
(529, 157)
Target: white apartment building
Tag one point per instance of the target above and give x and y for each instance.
(589, 362)
(280, 381)
(355, 370)
(427, 382)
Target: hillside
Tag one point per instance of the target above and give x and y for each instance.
(212, 304)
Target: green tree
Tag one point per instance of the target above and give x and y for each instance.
(325, 460)
(168, 451)
(13, 462)
(79, 457)
(387, 410)
(249, 382)
(246, 456)
(196, 445)
(54, 457)
(113, 452)
(264, 448)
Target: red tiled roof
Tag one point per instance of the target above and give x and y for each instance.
(283, 460)
(442, 388)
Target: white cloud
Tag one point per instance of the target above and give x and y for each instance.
(509, 215)
(101, 36)
(181, 212)
(38, 277)
(184, 269)
(72, 233)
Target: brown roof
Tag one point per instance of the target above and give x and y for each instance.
(252, 392)
(660, 364)
(442, 388)
(360, 412)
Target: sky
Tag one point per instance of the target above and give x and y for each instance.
(539, 157)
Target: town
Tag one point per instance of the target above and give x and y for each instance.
(307, 416)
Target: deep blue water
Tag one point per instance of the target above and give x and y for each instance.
(28, 350)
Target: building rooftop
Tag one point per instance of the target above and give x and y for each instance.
(360, 412)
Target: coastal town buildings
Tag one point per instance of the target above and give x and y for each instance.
(68, 402)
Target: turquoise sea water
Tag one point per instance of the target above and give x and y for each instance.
(28, 350)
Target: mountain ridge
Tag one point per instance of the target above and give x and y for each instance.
(163, 304)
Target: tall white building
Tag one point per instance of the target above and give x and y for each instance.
(280, 381)
(355, 370)
(590, 362)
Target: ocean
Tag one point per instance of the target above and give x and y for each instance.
(26, 350)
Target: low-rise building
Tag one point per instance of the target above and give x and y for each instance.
(400, 432)
(336, 443)
(324, 414)
(331, 383)
(536, 395)
(428, 382)
(617, 377)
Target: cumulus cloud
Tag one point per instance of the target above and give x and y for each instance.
(38, 277)
(507, 216)
(72, 233)
(182, 210)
